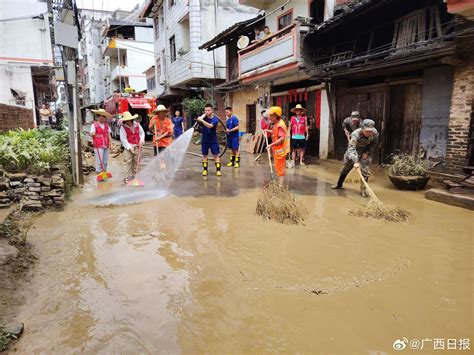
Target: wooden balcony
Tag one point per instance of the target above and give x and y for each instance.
(272, 57)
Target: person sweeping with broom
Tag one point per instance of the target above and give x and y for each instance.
(359, 152)
(102, 142)
(162, 129)
(280, 145)
(132, 137)
(275, 201)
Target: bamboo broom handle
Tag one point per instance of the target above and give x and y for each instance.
(372, 194)
(269, 156)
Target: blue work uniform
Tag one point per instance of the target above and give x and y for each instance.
(233, 137)
(209, 137)
(178, 126)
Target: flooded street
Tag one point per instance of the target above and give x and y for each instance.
(198, 272)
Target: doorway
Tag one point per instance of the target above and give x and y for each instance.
(251, 118)
(404, 123)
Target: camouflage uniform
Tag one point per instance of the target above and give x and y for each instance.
(358, 145)
(348, 126)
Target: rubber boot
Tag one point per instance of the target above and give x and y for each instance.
(218, 168)
(155, 151)
(340, 182)
(363, 190)
(237, 162)
(204, 168)
(232, 161)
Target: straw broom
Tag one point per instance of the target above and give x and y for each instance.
(376, 209)
(277, 203)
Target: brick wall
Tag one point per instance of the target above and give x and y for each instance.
(459, 118)
(12, 117)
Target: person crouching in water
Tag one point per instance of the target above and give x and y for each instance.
(359, 153)
(209, 139)
(232, 124)
(299, 133)
(101, 140)
(280, 142)
(132, 137)
(162, 128)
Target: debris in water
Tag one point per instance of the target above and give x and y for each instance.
(376, 209)
(379, 211)
(277, 203)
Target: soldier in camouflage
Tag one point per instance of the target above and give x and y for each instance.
(359, 151)
(351, 123)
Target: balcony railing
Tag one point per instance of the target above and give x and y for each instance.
(278, 50)
(121, 70)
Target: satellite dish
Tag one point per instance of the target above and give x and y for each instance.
(243, 42)
(160, 89)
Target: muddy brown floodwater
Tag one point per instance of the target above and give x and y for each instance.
(187, 274)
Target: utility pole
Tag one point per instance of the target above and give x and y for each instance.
(67, 35)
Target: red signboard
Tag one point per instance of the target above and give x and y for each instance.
(139, 102)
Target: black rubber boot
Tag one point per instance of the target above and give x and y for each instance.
(340, 182)
(218, 168)
(155, 151)
(204, 168)
(237, 162)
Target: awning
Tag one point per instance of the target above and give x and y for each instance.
(138, 102)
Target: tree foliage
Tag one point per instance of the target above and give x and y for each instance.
(34, 150)
(194, 107)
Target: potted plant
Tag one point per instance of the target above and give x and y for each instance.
(408, 171)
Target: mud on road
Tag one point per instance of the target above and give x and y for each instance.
(197, 271)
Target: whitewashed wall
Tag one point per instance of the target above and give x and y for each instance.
(203, 26)
(18, 52)
(300, 8)
(139, 58)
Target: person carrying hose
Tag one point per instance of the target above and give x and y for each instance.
(280, 145)
(359, 154)
(209, 140)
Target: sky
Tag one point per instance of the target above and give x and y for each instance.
(108, 4)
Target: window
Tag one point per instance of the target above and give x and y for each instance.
(150, 83)
(158, 69)
(157, 26)
(285, 20)
(172, 49)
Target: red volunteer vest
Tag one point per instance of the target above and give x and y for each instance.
(133, 137)
(298, 125)
(101, 138)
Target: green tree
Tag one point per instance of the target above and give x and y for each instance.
(194, 106)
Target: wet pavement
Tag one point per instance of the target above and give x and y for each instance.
(196, 271)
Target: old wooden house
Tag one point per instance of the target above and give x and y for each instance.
(408, 66)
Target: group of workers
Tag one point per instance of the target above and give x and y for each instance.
(362, 138)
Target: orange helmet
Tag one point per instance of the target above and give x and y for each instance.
(275, 110)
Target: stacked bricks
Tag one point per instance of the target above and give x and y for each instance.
(35, 193)
(460, 118)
